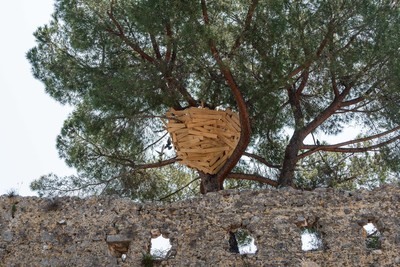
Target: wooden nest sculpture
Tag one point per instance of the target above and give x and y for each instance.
(203, 139)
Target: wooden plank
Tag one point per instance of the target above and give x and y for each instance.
(173, 137)
(206, 159)
(201, 137)
(209, 145)
(216, 158)
(201, 163)
(190, 143)
(222, 123)
(229, 133)
(230, 127)
(204, 130)
(235, 118)
(228, 141)
(181, 155)
(195, 165)
(207, 111)
(233, 123)
(201, 129)
(205, 170)
(172, 122)
(209, 116)
(190, 137)
(203, 155)
(195, 120)
(201, 123)
(184, 139)
(206, 150)
(181, 134)
(229, 111)
(175, 126)
(218, 165)
(210, 135)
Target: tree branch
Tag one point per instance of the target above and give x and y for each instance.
(180, 189)
(156, 164)
(156, 48)
(252, 177)
(262, 160)
(361, 98)
(247, 22)
(122, 35)
(334, 86)
(243, 114)
(155, 142)
(168, 31)
(317, 55)
(303, 83)
(83, 186)
(338, 147)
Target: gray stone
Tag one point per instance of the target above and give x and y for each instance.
(118, 238)
(7, 236)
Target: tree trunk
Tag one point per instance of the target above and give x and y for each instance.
(289, 163)
(209, 183)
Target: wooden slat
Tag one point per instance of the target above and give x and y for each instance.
(202, 111)
(211, 135)
(228, 141)
(205, 158)
(206, 150)
(209, 116)
(191, 143)
(174, 129)
(180, 135)
(233, 123)
(235, 118)
(218, 165)
(195, 119)
(201, 123)
(211, 144)
(216, 158)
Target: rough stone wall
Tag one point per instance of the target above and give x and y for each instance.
(96, 231)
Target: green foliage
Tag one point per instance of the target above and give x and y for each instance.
(151, 184)
(147, 260)
(346, 171)
(373, 237)
(12, 193)
(373, 242)
(243, 237)
(13, 210)
(123, 64)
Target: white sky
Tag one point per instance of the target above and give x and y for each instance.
(29, 119)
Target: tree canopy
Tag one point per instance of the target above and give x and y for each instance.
(293, 70)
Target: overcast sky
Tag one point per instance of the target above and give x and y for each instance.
(30, 120)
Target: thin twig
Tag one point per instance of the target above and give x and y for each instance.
(180, 189)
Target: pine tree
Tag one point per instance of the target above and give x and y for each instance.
(291, 69)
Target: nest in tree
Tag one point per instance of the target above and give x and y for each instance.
(203, 139)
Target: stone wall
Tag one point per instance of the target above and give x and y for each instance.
(97, 231)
